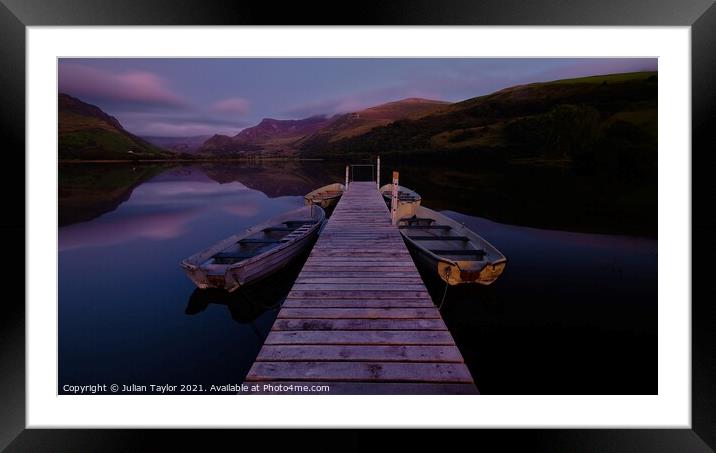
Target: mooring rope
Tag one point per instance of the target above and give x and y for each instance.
(442, 301)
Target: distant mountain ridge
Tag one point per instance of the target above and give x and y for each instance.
(286, 137)
(86, 132)
(269, 135)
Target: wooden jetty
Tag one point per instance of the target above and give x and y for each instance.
(359, 318)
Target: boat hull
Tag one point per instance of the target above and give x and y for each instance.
(326, 197)
(255, 268)
(452, 273)
(406, 208)
(456, 271)
(272, 263)
(325, 203)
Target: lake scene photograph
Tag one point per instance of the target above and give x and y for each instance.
(377, 226)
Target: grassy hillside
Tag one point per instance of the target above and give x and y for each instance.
(86, 132)
(602, 122)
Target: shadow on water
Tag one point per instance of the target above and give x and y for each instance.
(243, 309)
(544, 196)
(247, 303)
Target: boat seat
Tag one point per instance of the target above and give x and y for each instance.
(440, 238)
(425, 227)
(475, 252)
(230, 258)
(258, 241)
(299, 222)
(297, 232)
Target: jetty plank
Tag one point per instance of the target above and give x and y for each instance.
(442, 337)
(348, 278)
(347, 294)
(364, 313)
(357, 303)
(337, 353)
(361, 371)
(358, 324)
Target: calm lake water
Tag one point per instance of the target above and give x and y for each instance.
(574, 312)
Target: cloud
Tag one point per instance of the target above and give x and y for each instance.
(464, 81)
(181, 123)
(165, 129)
(362, 100)
(130, 87)
(239, 106)
(597, 67)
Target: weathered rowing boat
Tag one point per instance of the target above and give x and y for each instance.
(257, 252)
(325, 196)
(456, 253)
(408, 199)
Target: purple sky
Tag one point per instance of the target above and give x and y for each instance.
(197, 96)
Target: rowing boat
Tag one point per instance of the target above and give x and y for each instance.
(408, 199)
(326, 196)
(256, 253)
(456, 253)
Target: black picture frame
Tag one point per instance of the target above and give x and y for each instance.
(16, 15)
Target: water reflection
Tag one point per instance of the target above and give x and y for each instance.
(547, 197)
(249, 302)
(90, 190)
(552, 198)
(574, 312)
(278, 179)
(161, 209)
(243, 309)
(87, 191)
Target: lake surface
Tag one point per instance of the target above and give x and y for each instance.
(573, 313)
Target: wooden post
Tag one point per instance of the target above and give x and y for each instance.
(346, 177)
(377, 174)
(394, 200)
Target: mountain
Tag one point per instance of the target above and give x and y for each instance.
(357, 123)
(607, 121)
(270, 135)
(86, 132)
(179, 144)
(287, 136)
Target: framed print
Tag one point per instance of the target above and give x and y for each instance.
(477, 216)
